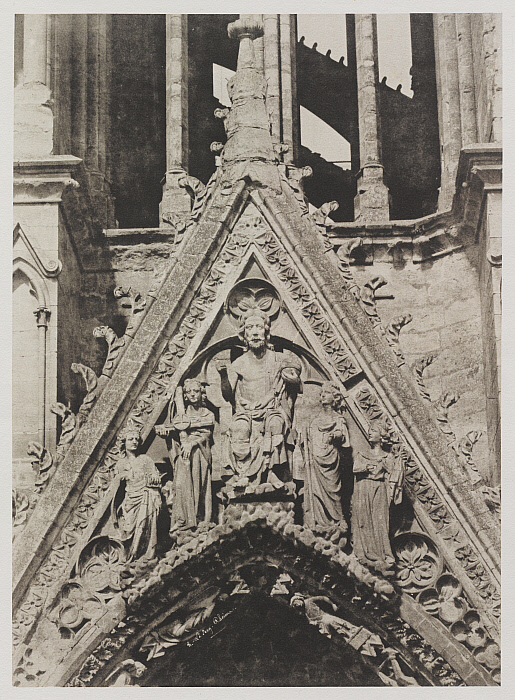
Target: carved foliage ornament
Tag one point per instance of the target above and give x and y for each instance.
(58, 560)
(446, 602)
(308, 305)
(98, 579)
(23, 503)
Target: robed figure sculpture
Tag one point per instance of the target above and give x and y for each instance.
(262, 385)
(318, 461)
(189, 433)
(378, 484)
(136, 518)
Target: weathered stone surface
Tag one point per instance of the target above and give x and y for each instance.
(273, 491)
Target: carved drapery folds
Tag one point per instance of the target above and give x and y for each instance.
(188, 434)
(319, 462)
(138, 507)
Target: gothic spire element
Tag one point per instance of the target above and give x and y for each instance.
(248, 151)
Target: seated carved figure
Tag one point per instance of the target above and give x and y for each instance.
(137, 517)
(262, 385)
(189, 436)
(318, 462)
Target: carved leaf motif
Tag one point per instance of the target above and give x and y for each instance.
(368, 298)
(20, 508)
(133, 300)
(444, 600)
(489, 655)
(114, 344)
(418, 367)
(69, 428)
(31, 667)
(470, 631)
(101, 572)
(91, 380)
(369, 404)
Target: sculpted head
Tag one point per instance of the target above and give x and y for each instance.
(193, 392)
(379, 434)
(132, 439)
(331, 395)
(255, 329)
(298, 601)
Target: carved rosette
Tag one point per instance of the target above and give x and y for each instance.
(83, 599)
(418, 562)
(444, 600)
(100, 566)
(75, 607)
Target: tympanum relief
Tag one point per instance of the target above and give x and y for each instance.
(257, 416)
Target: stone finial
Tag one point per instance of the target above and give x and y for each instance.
(249, 148)
(249, 26)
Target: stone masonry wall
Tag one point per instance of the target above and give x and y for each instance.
(69, 387)
(486, 48)
(131, 265)
(443, 298)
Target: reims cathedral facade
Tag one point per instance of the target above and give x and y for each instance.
(256, 431)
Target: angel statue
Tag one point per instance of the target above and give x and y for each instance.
(137, 517)
(378, 484)
(189, 434)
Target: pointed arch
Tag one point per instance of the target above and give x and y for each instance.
(35, 279)
(31, 388)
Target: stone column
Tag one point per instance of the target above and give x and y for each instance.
(290, 131)
(42, 317)
(272, 73)
(35, 49)
(492, 52)
(449, 116)
(371, 202)
(33, 120)
(175, 198)
(353, 137)
(79, 84)
(97, 54)
(259, 52)
(466, 80)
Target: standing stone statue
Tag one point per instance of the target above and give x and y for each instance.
(318, 461)
(136, 519)
(262, 385)
(378, 477)
(190, 434)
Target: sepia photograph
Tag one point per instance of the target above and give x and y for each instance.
(256, 342)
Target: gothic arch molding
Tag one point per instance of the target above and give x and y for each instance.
(35, 279)
(170, 602)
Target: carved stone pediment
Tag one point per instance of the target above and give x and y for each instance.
(251, 253)
(186, 330)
